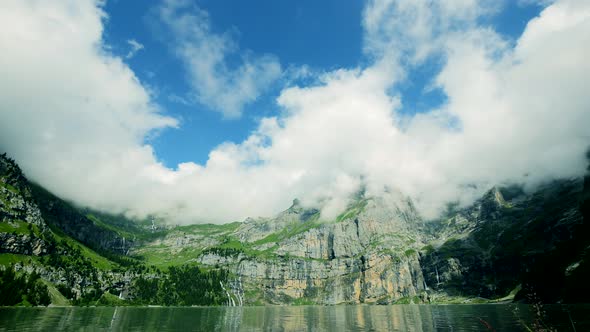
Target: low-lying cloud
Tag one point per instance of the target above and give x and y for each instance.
(76, 117)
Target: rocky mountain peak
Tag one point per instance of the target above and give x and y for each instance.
(494, 196)
(12, 176)
(296, 206)
(491, 204)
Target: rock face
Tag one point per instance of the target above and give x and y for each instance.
(16, 206)
(20, 218)
(492, 247)
(380, 251)
(25, 210)
(367, 255)
(22, 244)
(68, 219)
(16, 200)
(377, 251)
(376, 278)
(24, 231)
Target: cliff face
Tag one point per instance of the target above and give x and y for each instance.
(27, 209)
(22, 244)
(367, 255)
(21, 223)
(72, 222)
(498, 245)
(371, 278)
(379, 250)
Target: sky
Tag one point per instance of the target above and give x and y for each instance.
(294, 32)
(214, 111)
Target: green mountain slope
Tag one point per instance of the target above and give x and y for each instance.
(509, 244)
(54, 252)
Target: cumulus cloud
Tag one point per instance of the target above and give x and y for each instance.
(135, 47)
(515, 112)
(72, 114)
(215, 82)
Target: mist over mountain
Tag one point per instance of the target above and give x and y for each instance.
(508, 246)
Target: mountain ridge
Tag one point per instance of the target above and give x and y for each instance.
(379, 250)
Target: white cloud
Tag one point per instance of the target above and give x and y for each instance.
(215, 82)
(73, 115)
(411, 30)
(135, 47)
(521, 111)
(521, 114)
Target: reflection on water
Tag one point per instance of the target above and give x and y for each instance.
(304, 318)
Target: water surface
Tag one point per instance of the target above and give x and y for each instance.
(505, 317)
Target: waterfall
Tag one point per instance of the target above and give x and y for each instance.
(241, 291)
(230, 301)
(237, 290)
(437, 277)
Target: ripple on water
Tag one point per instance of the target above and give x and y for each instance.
(504, 317)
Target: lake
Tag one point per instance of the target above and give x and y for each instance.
(496, 317)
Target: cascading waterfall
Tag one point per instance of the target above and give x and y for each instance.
(230, 301)
(234, 292)
(238, 290)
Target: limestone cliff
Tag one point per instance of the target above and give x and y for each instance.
(369, 254)
(380, 251)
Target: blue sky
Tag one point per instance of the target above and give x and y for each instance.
(323, 35)
(217, 110)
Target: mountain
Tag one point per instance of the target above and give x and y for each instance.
(531, 243)
(508, 245)
(53, 252)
